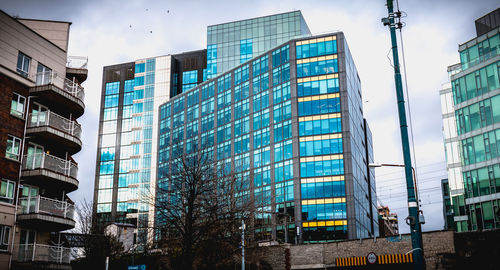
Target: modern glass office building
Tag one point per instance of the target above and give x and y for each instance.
(131, 93)
(289, 122)
(230, 44)
(474, 104)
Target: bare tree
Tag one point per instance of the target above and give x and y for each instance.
(199, 210)
(96, 246)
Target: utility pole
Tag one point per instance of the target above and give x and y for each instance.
(412, 219)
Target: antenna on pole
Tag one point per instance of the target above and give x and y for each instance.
(393, 21)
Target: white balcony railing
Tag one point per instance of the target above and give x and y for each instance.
(42, 253)
(77, 62)
(52, 163)
(50, 77)
(42, 205)
(48, 118)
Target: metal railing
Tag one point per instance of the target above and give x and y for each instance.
(50, 77)
(48, 118)
(77, 61)
(52, 163)
(42, 253)
(42, 205)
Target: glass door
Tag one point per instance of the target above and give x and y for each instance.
(39, 115)
(34, 157)
(29, 198)
(26, 245)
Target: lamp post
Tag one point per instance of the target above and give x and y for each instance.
(378, 165)
(410, 220)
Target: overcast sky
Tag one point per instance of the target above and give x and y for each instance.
(111, 32)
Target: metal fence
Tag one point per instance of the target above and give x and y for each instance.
(77, 61)
(42, 253)
(52, 163)
(50, 77)
(42, 205)
(56, 121)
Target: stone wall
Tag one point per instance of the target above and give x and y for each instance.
(312, 256)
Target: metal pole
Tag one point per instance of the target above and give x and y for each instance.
(242, 245)
(412, 220)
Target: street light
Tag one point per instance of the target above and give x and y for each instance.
(378, 165)
(410, 220)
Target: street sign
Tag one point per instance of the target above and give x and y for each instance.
(137, 267)
(371, 258)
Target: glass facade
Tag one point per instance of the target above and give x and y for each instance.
(247, 121)
(472, 117)
(230, 44)
(128, 141)
(265, 107)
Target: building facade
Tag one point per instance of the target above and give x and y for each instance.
(453, 154)
(289, 123)
(231, 44)
(131, 94)
(473, 103)
(447, 207)
(387, 222)
(42, 99)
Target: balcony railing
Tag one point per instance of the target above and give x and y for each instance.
(42, 205)
(77, 62)
(48, 118)
(52, 163)
(50, 77)
(42, 253)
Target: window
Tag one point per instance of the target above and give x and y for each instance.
(4, 237)
(316, 67)
(318, 105)
(13, 147)
(7, 191)
(43, 75)
(23, 64)
(17, 105)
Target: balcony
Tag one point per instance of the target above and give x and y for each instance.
(61, 94)
(50, 172)
(50, 129)
(46, 214)
(41, 256)
(76, 66)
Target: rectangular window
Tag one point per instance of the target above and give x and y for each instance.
(13, 147)
(17, 105)
(7, 191)
(112, 88)
(319, 105)
(330, 124)
(317, 67)
(23, 64)
(4, 237)
(43, 75)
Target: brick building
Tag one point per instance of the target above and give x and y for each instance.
(41, 98)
